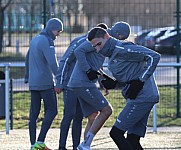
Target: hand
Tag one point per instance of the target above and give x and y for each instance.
(135, 87)
(108, 82)
(58, 90)
(106, 91)
(92, 74)
(25, 80)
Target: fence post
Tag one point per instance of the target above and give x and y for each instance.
(44, 13)
(11, 104)
(178, 55)
(7, 96)
(17, 46)
(154, 119)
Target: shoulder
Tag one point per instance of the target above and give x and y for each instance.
(44, 37)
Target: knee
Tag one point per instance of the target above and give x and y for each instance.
(133, 137)
(54, 112)
(115, 133)
(78, 118)
(134, 140)
(118, 137)
(92, 117)
(107, 110)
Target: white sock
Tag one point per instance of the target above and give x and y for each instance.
(88, 139)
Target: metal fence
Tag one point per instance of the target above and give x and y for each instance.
(22, 20)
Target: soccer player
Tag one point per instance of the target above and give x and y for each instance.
(41, 64)
(72, 109)
(83, 83)
(133, 65)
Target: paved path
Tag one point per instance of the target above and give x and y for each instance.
(166, 138)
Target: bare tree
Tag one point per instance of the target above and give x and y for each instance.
(136, 13)
(9, 26)
(2, 9)
(73, 9)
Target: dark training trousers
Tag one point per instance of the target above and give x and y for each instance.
(72, 113)
(50, 104)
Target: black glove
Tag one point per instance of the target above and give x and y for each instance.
(25, 80)
(135, 87)
(108, 82)
(92, 74)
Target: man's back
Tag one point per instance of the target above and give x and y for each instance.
(42, 62)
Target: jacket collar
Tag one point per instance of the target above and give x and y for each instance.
(48, 33)
(108, 48)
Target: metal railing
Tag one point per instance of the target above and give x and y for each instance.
(22, 64)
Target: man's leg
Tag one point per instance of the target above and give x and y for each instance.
(92, 100)
(70, 106)
(77, 126)
(50, 102)
(97, 124)
(118, 137)
(139, 129)
(90, 121)
(34, 112)
(101, 119)
(130, 117)
(135, 141)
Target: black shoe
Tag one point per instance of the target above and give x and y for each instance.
(61, 148)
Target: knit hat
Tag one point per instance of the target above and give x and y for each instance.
(54, 24)
(121, 28)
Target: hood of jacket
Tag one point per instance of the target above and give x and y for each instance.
(48, 33)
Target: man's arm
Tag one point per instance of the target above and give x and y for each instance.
(143, 54)
(80, 53)
(48, 50)
(64, 66)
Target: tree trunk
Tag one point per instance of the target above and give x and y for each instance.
(9, 26)
(32, 20)
(1, 28)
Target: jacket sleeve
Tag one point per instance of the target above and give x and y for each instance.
(64, 65)
(80, 54)
(67, 62)
(142, 54)
(50, 55)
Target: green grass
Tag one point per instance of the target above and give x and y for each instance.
(166, 109)
(8, 56)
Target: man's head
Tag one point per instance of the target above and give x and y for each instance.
(121, 30)
(55, 25)
(98, 37)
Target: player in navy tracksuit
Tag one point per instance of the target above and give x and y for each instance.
(73, 112)
(83, 83)
(72, 109)
(41, 65)
(133, 65)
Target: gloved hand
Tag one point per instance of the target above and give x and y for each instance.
(135, 87)
(25, 80)
(92, 74)
(108, 82)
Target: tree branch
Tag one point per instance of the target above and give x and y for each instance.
(3, 8)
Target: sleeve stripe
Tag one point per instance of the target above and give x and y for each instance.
(61, 78)
(65, 64)
(149, 66)
(119, 47)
